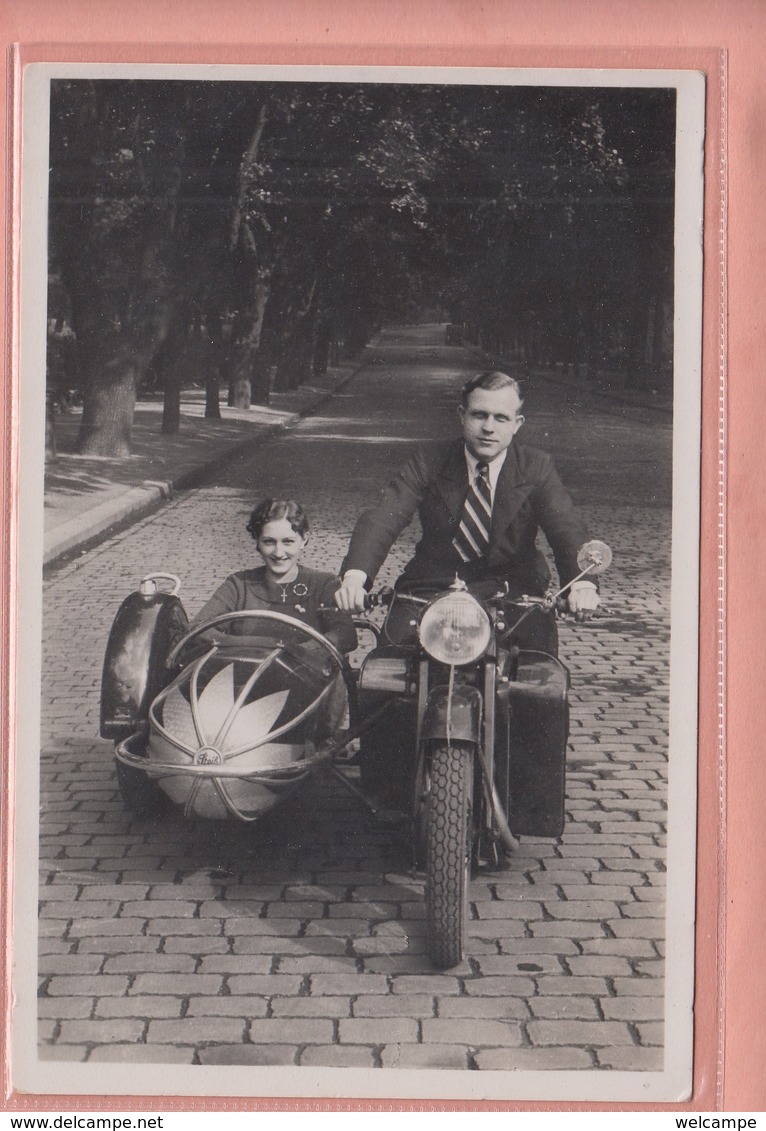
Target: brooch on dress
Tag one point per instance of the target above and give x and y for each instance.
(298, 590)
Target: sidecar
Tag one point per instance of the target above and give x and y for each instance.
(222, 719)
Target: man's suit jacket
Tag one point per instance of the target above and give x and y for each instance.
(529, 496)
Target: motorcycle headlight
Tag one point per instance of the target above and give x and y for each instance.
(455, 629)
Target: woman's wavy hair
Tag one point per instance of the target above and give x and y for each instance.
(272, 510)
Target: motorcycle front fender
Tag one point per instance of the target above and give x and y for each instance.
(457, 719)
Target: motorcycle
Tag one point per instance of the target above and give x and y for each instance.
(482, 724)
(225, 720)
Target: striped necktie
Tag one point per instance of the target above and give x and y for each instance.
(472, 537)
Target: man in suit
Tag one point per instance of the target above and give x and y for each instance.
(481, 501)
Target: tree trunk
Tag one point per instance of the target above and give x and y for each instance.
(171, 406)
(322, 348)
(107, 417)
(246, 339)
(213, 363)
(50, 426)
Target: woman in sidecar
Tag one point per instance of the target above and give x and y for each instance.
(228, 714)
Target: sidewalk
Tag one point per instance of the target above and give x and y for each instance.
(85, 497)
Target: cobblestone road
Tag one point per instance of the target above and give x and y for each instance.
(300, 941)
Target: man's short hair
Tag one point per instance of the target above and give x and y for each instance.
(491, 379)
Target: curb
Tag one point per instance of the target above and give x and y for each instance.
(86, 530)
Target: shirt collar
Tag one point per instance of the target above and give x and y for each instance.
(493, 468)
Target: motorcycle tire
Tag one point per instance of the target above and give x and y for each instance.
(448, 851)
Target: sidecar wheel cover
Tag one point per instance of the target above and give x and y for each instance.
(217, 747)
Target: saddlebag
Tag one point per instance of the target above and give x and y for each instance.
(144, 631)
(532, 730)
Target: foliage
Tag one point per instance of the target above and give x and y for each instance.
(273, 224)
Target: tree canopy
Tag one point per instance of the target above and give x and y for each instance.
(255, 230)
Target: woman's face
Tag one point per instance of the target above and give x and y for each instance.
(280, 547)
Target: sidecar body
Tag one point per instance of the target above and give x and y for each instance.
(226, 728)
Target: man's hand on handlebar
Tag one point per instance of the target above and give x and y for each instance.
(352, 595)
(582, 599)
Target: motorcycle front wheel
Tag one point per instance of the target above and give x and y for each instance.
(448, 851)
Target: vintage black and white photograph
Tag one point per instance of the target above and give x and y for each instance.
(359, 529)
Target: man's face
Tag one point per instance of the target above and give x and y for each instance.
(490, 421)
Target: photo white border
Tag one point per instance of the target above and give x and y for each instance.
(674, 1083)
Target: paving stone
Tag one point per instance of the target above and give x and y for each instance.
(645, 910)
(236, 964)
(122, 892)
(579, 1033)
(141, 1007)
(564, 1007)
(196, 1030)
(640, 986)
(181, 984)
(472, 1031)
(633, 1059)
(198, 948)
(581, 909)
(537, 1059)
(498, 985)
(586, 892)
(266, 984)
(168, 908)
(627, 948)
(274, 927)
(334, 985)
(529, 949)
(150, 964)
(69, 964)
(332, 1007)
(71, 909)
(650, 1032)
(292, 1030)
(568, 929)
(430, 984)
(509, 910)
(96, 1031)
(652, 968)
(140, 1054)
(118, 944)
(604, 965)
(229, 1005)
(638, 1008)
(378, 1030)
(336, 1056)
(266, 944)
(503, 1009)
(637, 928)
(424, 1056)
(100, 985)
(572, 984)
(62, 1007)
(524, 964)
(181, 926)
(319, 965)
(239, 1054)
(388, 1005)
